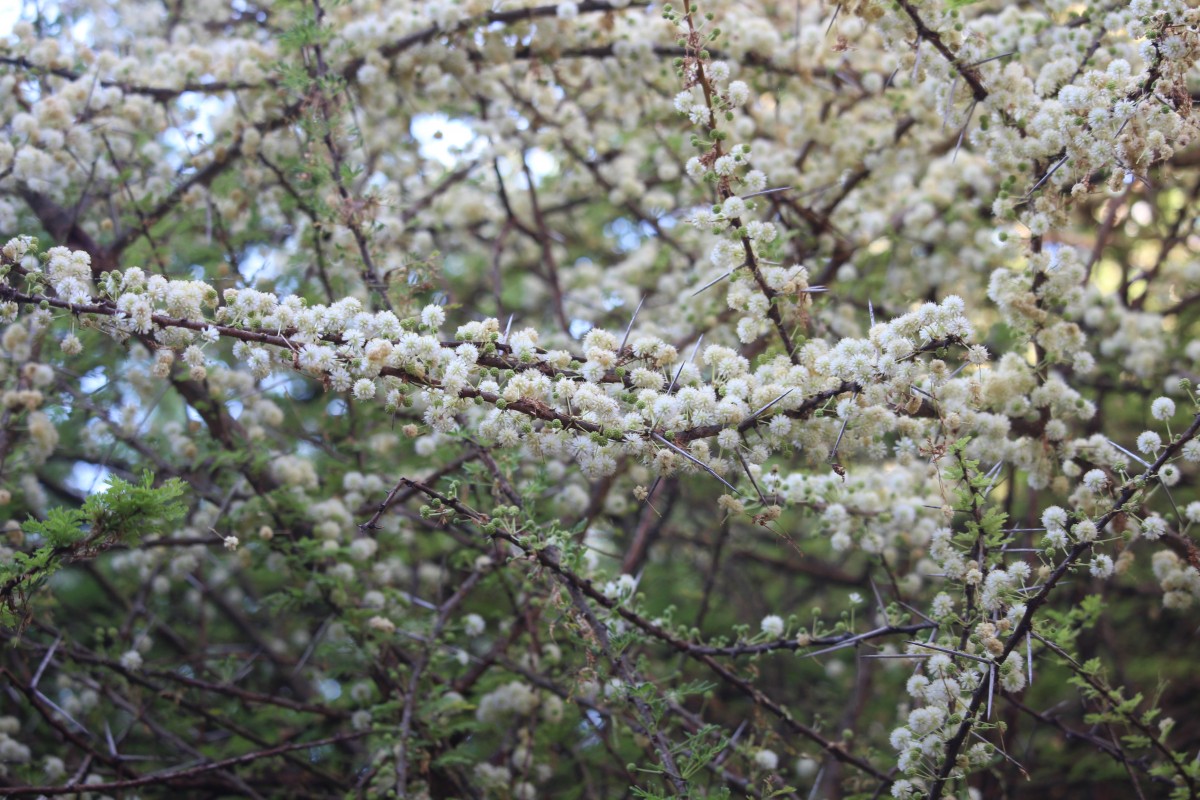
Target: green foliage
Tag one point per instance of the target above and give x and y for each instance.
(526, 616)
(121, 515)
(1063, 627)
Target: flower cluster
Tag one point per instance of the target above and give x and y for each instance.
(541, 374)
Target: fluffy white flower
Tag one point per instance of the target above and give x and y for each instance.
(434, 316)
(71, 345)
(1101, 566)
(1095, 480)
(1054, 518)
(1154, 526)
(766, 759)
(1162, 408)
(364, 389)
(739, 93)
(1149, 442)
(772, 625)
(1085, 531)
(1169, 475)
(474, 625)
(733, 207)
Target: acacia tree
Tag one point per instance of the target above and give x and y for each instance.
(599, 399)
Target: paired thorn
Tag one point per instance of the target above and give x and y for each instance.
(695, 461)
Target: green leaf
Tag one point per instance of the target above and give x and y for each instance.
(122, 514)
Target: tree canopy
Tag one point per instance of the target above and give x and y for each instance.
(600, 399)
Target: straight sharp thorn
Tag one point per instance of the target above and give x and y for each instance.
(949, 103)
(712, 283)
(697, 462)
(998, 750)
(1045, 177)
(756, 414)
(918, 613)
(59, 709)
(833, 19)
(1040, 586)
(992, 58)
(766, 191)
(653, 486)
(897, 655)
(948, 651)
(1126, 452)
(817, 783)
(679, 371)
(1029, 658)
(992, 473)
(632, 319)
(1131, 116)
(761, 498)
(37, 676)
(991, 689)
(637, 579)
(1170, 497)
(417, 601)
(963, 131)
(834, 648)
(836, 445)
(878, 599)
